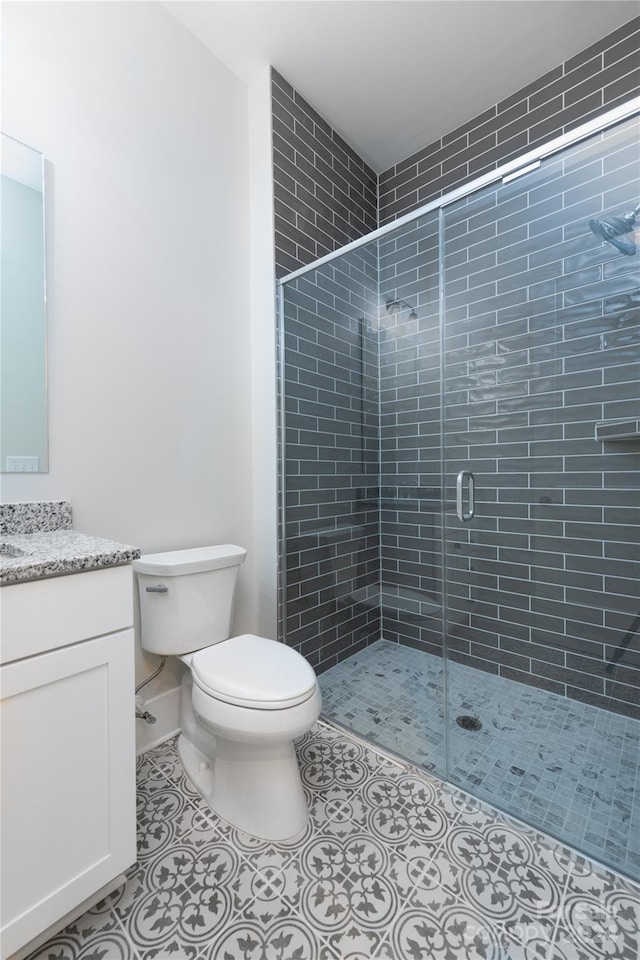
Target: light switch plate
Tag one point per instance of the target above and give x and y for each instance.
(23, 464)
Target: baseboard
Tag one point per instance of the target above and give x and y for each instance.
(165, 707)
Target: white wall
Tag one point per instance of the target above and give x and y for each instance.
(146, 137)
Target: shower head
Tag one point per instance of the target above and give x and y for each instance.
(395, 306)
(618, 231)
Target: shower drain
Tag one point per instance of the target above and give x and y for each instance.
(468, 723)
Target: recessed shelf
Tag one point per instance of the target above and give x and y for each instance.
(618, 430)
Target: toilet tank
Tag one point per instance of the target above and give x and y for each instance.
(186, 597)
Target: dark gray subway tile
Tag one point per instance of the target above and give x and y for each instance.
(617, 69)
(531, 88)
(607, 43)
(626, 87)
(629, 42)
(585, 73)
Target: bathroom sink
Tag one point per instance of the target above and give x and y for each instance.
(8, 550)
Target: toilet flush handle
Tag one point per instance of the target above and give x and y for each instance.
(161, 588)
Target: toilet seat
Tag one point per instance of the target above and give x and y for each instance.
(255, 672)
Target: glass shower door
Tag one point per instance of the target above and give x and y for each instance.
(541, 329)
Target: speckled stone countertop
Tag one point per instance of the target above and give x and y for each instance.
(58, 552)
(51, 552)
(35, 516)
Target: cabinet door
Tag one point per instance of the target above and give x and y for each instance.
(68, 781)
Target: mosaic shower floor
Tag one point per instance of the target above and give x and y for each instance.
(392, 865)
(571, 769)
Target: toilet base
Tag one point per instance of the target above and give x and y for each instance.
(256, 789)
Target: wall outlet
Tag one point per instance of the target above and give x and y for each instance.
(23, 464)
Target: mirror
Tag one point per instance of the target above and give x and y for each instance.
(23, 340)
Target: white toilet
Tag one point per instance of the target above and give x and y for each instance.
(243, 701)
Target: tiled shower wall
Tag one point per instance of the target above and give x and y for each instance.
(596, 80)
(590, 83)
(325, 195)
(542, 333)
(331, 467)
(410, 435)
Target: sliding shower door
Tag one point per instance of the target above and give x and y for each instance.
(540, 462)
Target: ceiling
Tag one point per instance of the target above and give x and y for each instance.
(391, 76)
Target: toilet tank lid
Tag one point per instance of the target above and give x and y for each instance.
(175, 563)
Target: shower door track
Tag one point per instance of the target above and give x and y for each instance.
(512, 168)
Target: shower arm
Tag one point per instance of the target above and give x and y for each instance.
(633, 216)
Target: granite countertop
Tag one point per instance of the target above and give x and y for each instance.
(57, 552)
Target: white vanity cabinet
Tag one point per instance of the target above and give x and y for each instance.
(67, 822)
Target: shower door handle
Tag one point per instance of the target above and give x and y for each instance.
(471, 502)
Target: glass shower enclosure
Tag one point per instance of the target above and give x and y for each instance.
(460, 443)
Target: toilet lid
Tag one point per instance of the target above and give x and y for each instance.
(253, 672)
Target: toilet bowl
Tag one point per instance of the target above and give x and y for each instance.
(244, 699)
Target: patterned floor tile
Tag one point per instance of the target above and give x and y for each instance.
(148, 774)
(164, 760)
(531, 946)
(591, 934)
(123, 900)
(274, 872)
(355, 944)
(285, 939)
(112, 944)
(392, 866)
(436, 926)
(501, 873)
(336, 810)
(336, 761)
(600, 916)
(164, 815)
(406, 808)
(352, 881)
(186, 897)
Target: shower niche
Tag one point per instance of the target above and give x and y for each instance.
(459, 537)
